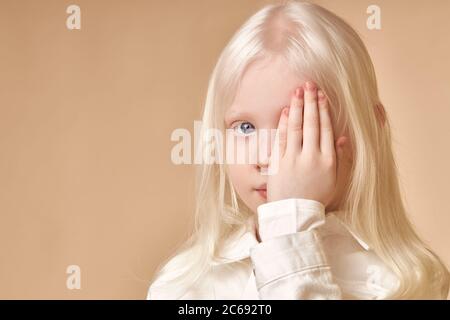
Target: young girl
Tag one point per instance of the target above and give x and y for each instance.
(329, 223)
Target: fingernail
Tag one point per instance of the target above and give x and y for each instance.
(299, 92)
(320, 94)
(286, 111)
(309, 85)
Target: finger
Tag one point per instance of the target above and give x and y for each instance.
(282, 130)
(294, 130)
(279, 146)
(326, 127)
(311, 124)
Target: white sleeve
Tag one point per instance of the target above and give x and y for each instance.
(289, 262)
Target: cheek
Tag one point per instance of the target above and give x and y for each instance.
(240, 150)
(240, 177)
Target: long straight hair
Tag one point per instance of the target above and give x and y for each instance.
(323, 47)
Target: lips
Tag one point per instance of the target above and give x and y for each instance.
(262, 190)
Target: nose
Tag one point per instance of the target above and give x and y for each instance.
(264, 149)
(263, 164)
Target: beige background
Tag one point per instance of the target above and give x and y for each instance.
(86, 117)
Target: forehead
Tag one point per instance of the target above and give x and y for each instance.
(267, 85)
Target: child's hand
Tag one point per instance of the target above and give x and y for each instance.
(305, 170)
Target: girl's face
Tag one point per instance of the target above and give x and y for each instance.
(265, 89)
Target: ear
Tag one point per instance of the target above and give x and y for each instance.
(381, 113)
(343, 149)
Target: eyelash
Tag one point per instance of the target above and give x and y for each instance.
(242, 122)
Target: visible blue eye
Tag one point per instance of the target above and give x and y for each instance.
(246, 127)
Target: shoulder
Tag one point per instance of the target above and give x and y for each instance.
(356, 267)
(162, 291)
(222, 281)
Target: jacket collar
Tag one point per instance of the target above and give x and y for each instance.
(237, 246)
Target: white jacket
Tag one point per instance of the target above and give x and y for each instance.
(302, 255)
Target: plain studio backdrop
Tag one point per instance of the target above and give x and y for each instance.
(86, 115)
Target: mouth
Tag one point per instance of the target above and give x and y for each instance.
(262, 191)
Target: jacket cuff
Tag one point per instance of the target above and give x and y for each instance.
(289, 216)
(285, 256)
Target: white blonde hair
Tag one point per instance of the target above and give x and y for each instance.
(323, 47)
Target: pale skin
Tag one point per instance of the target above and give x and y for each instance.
(308, 165)
(313, 163)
